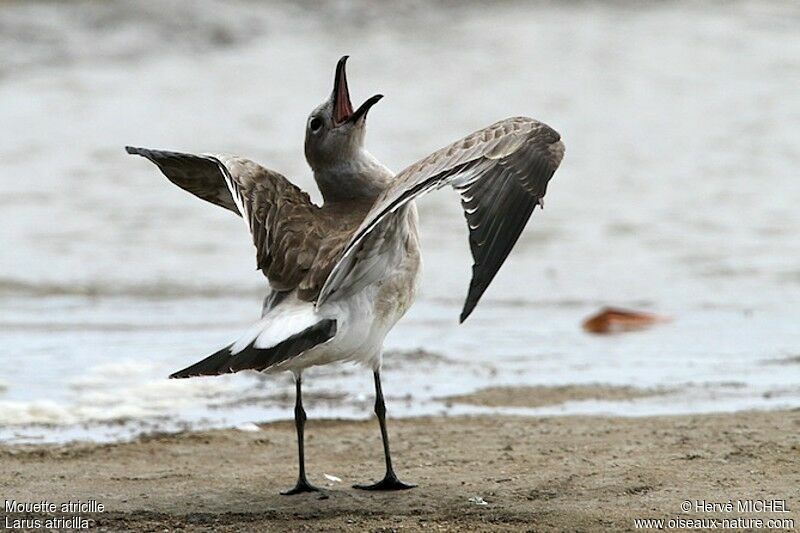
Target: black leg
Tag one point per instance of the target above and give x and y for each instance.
(300, 421)
(389, 481)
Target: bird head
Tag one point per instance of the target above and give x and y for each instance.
(334, 132)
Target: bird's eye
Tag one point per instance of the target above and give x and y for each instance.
(315, 124)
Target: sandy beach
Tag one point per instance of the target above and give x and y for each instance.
(474, 473)
(114, 278)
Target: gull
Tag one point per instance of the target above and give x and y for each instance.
(341, 274)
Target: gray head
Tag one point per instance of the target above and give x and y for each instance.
(334, 132)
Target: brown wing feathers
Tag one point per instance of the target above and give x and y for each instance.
(286, 227)
(197, 175)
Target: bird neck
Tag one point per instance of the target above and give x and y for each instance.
(358, 177)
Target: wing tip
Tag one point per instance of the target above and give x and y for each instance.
(469, 306)
(212, 365)
(133, 150)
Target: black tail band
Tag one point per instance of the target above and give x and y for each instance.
(252, 358)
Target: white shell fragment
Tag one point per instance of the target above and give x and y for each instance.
(477, 500)
(249, 427)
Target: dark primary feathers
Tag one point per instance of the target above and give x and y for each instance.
(501, 173)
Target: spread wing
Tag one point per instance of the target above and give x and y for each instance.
(501, 173)
(198, 175)
(286, 226)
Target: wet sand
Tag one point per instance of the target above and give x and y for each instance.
(539, 396)
(542, 474)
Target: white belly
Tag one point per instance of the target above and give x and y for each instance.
(365, 318)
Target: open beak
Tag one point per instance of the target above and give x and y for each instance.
(342, 107)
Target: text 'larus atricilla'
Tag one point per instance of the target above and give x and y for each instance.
(342, 274)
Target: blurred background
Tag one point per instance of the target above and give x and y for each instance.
(678, 195)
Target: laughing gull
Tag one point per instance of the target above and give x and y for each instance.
(342, 274)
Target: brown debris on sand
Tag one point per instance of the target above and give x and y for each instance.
(617, 320)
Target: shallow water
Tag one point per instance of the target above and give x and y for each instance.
(678, 195)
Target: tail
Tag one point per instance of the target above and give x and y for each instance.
(285, 332)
